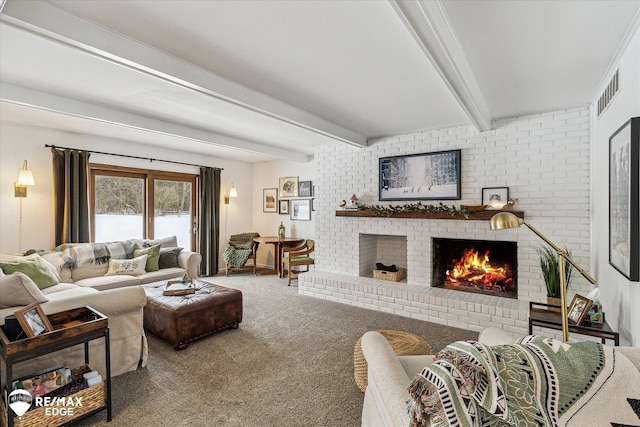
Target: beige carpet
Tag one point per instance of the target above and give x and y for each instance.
(289, 364)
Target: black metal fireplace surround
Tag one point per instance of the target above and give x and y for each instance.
(487, 267)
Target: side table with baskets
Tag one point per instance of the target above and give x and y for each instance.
(71, 327)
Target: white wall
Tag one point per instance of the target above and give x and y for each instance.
(266, 175)
(620, 297)
(20, 142)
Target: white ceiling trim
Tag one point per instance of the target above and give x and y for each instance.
(45, 101)
(50, 22)
(429, 25)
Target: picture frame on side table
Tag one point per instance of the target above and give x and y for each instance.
(270, 200)
(304, 189)
(624, 201)
(495, 197)
(288, 186)
(284, 207)
(578, 309)
(33, 320)
(300, 209)
(425, 176)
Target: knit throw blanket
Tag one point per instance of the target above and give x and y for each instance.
(239, 250)
(74, 255)
(537, 381)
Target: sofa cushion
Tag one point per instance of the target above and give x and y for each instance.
(162, 274)
(17, 289)
(131, 267)
(40, 271)
(169, 257)
(54, 258)
(102, 283)
(59, 288)
(89, 270)
(165, 242)
(153, 256)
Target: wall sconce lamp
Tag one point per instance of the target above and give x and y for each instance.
(25, 178)
(231, 193)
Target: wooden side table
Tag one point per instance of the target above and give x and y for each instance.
(540, 315)
(71, 327)
(278, 244)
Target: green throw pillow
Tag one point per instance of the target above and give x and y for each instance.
(35, 268)
(169, 257)
(153, 257)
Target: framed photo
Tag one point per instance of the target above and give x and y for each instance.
(288, 186)
(33, 320)
(270, 200)
(427, 176)
(495, 197)
(300, 209)
(304, 189)
(284, 207)
(624, 206)
(578, 309)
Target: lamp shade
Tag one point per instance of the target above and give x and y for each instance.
(504, 220)
(232, 191)
(25, 178)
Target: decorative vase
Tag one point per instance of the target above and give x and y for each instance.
(281, 231)
(555, 301)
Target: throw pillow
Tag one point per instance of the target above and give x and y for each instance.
(17, 289)
(133, 267)
(153, 254)
(165, 242)
(35, 267)
(169, 257)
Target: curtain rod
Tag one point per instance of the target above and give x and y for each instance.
(133, 157)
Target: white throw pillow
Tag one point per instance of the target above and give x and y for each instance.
(17, 289)
(132, 267)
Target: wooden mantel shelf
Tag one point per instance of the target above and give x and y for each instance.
(473, 216)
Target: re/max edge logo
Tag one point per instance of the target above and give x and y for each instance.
(20, 402)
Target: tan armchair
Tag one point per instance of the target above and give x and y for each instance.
(297, 256)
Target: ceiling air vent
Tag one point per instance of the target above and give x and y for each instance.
(609, 92)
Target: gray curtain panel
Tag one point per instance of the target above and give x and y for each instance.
(71, 195)
(209, 220)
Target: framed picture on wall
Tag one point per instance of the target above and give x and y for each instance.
(624, 203)
(495, 197)
(300, 209)
(426, 176)
(270, 200)
(284, 207)
(288, 186)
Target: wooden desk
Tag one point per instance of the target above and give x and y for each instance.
(278, 245)
(539, 315)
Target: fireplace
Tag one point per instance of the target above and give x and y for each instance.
(481, 266)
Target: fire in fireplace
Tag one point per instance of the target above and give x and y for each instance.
(480, 266)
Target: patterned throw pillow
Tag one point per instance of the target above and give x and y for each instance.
(169, 257)
(132, 267)
(153, 254)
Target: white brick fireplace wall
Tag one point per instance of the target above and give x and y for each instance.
(543, 159)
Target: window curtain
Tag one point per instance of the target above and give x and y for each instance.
(71, 196)
(209, 244)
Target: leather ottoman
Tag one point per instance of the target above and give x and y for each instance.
(182, 319)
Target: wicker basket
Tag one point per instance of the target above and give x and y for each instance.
(402, 343)
(92, 398)
(392, 276)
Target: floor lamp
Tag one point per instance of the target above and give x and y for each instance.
(504, 220)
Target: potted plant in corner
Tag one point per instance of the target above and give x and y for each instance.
(550, 265)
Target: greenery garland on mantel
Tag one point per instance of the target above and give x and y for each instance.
(389, 210)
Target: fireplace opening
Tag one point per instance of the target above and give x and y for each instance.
(481, 266)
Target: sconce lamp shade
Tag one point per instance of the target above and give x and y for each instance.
(504, 220)
(25, 178)
(232, 191)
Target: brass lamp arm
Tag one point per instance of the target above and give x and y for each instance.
(560, 252)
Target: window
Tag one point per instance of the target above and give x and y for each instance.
(135, 203)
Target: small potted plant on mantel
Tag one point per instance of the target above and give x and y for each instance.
(550, 265)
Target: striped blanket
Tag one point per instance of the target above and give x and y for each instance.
(537, 381)
(75, 255)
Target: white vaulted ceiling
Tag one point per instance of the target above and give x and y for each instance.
(261, 80)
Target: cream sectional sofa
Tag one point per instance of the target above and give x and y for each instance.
(117, 296)
(389, 376)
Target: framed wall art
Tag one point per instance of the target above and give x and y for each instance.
(495, 197)
(284, 207)
(33, 320)
(624, 203)
(304, 189)
(270, 200)
(288, 186)
(426, 176)
(300, 209)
